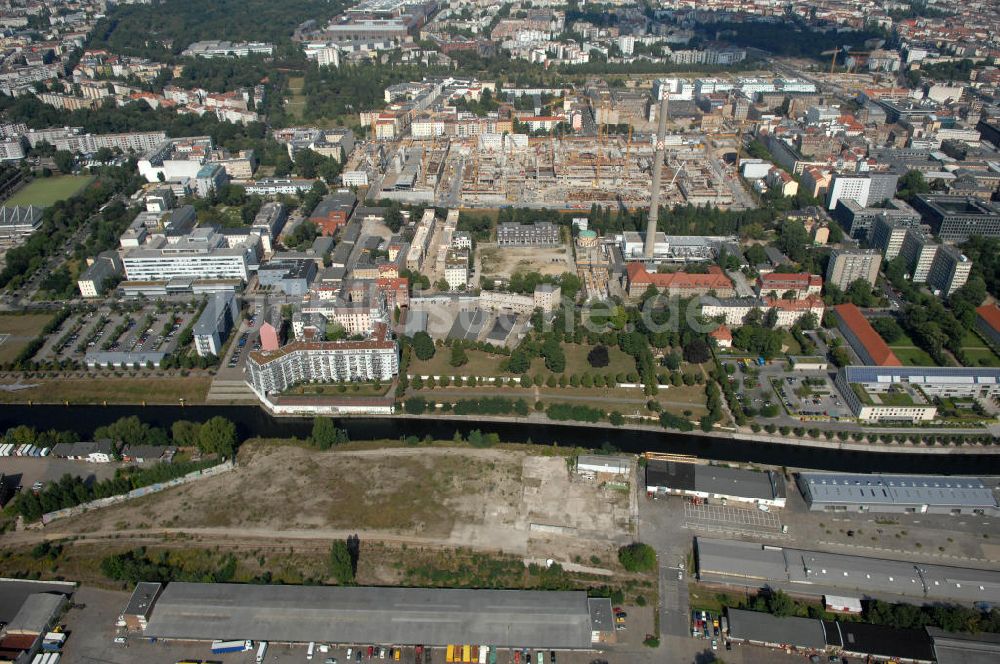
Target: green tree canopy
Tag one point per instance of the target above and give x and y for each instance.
(217, 435)
(637, 557)
(341, 564)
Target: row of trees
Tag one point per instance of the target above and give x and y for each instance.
(72, 490)
(137, 565)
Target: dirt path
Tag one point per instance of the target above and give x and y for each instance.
(260, 538)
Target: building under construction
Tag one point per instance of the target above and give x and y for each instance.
(567, 172)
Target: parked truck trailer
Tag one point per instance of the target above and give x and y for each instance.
(219, 647)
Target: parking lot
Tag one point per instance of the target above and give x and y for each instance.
(727, 518)
(28, 470)
(812, 395)
(247, 340)
(134, 327)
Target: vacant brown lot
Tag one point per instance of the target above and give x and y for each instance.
(487, 499)
(508, 260)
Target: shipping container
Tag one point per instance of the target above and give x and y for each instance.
(450, 654)
(493, 655)
(466, 654)
(484, 652)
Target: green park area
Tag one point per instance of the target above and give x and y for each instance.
(977, 352)
(910, 354)
(44, 192)
(295, 103)
(481, 363)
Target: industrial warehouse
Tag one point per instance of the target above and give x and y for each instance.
(749, 565)
(366, 615)
(715, 482)
(857, 639)
(903, 494)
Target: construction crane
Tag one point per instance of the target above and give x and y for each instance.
(739, 145)
(597, 157)
(833, 62)
(628, 150)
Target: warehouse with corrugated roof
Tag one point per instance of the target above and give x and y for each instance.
(902, 494)
(389, 616)
(715, 482)
(750, 565)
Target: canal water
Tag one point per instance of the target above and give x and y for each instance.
(253, 421)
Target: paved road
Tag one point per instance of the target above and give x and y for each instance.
(674, 602)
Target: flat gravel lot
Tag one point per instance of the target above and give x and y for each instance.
(48, 469)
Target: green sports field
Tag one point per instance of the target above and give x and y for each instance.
(43, 192)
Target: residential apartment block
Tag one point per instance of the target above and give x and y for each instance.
(949, 271)
(863, 188)
(887, 234)
(306, 361)
(859, 222)
(734, 311)
(539, 234)
(799, 285)
(546, 297)
(71, 140)
(849, 265)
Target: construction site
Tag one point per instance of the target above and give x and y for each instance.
(572, 172)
